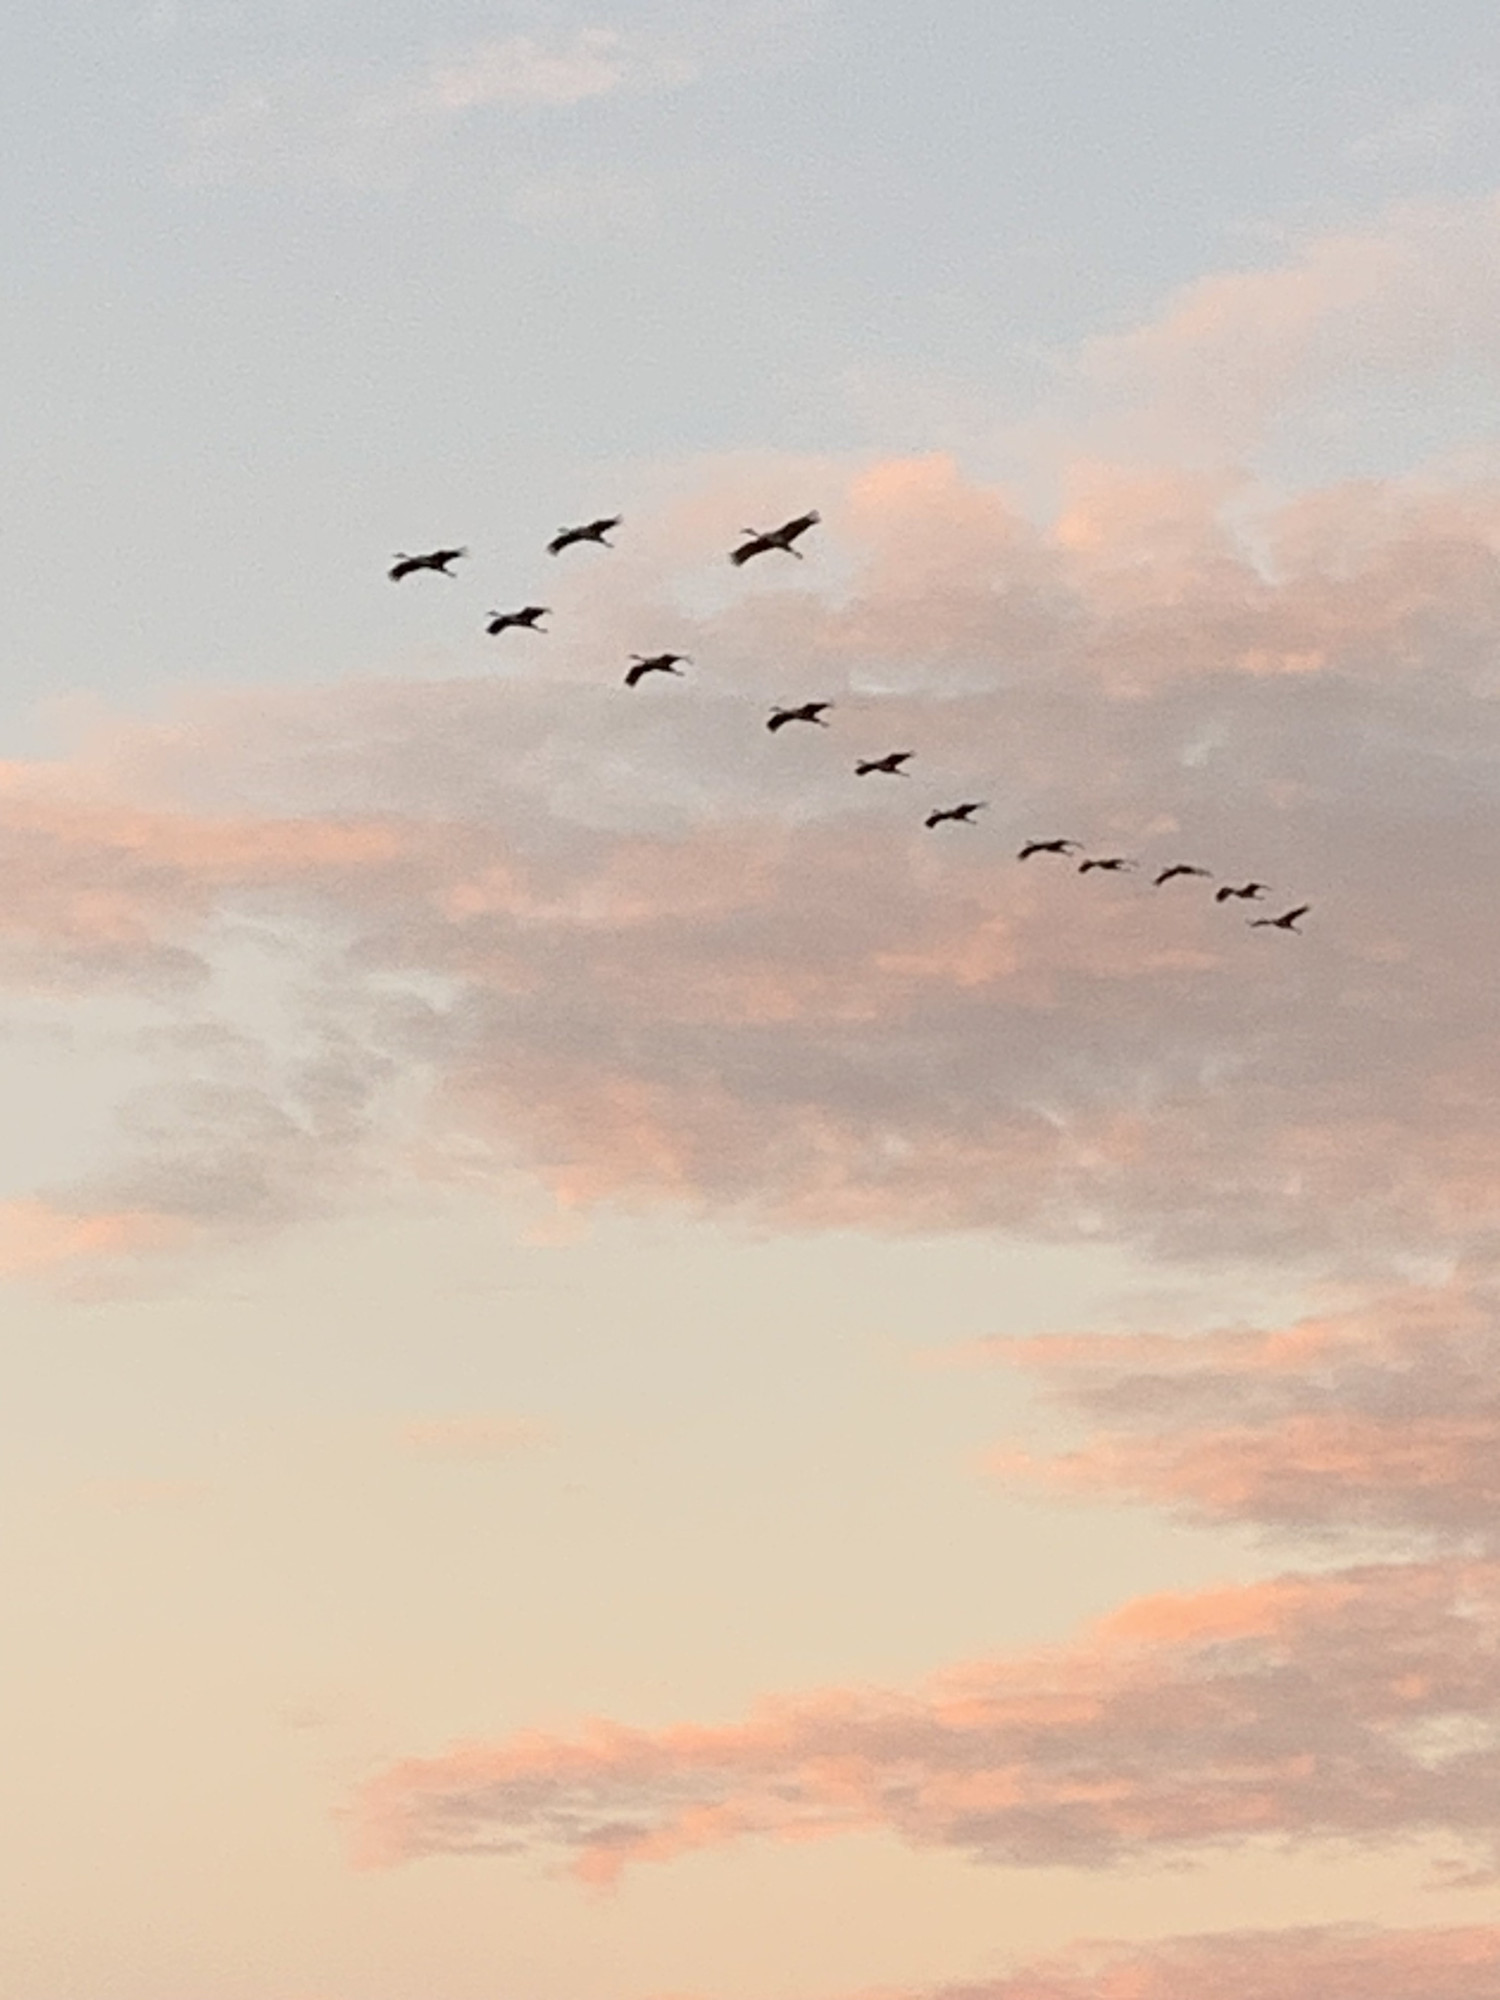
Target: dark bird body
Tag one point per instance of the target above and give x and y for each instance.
(810, 711)
(527, 619)
(436, 560)
(591, 531)
(656, 663)
(1287, 921)
(1112, 864)
(1179, 868)
(1249, 892)
(963, 814)
(758, 544)
(1047, 847)
(890, 765)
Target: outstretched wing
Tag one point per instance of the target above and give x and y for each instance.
(790, 530)
(756, 546)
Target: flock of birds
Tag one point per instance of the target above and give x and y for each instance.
(893, 764)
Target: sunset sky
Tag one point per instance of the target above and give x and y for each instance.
(625, 1375)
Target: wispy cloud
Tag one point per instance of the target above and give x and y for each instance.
(472, 1438)
(311, 125)
(517, 69)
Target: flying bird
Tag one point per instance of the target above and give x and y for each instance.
(1110, 863)
(1047, 847)
(810, 711)
(591, 531)
(1179, 868)
(890, 765)
(758, 544)
(1287, 921)
(527, 619)
(1250, 892)
(656, 663)
(437, 560)
(964, 813)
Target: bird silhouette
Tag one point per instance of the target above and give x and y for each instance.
(1287, 921)
(1112, 864)
(655, 663)
(437, 560)
(527, 619)
(890, 765)
(1249, 892)
(810, 711)
(759, 544)
(591, 531)
(964, 813)
(1179, 868)
(1047, 847)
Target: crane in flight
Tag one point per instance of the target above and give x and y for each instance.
(890, 765)
(1112, 864)
(757, 543)
(1249, 892)
(960, 815)
(1179, 868)
(810, 711)
(436, 560)
(654, 663)
(1287, 921)
(1047, 847)
(591, 531)
(527, 619)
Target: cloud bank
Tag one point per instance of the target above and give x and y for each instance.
(634, 947)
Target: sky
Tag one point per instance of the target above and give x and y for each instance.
(625, 1374)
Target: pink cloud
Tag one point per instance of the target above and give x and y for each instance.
(1358, 1706)
(1383, 1417)
(1230, 355)
(1335, 1963)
